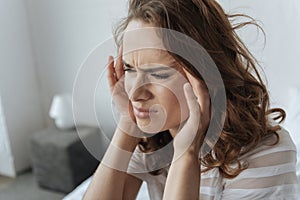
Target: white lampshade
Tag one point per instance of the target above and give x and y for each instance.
(61, 111)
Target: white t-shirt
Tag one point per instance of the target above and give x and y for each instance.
(271, 174)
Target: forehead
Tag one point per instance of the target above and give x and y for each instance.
(142, 45)
(139, 35)
(148, 57)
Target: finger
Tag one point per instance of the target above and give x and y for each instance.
(200, 90)
(192, 124)
(111, 73)
(119, 64)
(194, 107)
(195, 83)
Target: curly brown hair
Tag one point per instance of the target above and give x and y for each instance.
(246, 119)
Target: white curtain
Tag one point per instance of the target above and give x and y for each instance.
(6, 157)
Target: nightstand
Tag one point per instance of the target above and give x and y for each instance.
(60, 160)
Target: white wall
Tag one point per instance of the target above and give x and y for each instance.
(64, 32)
(18, 84)
(280, 20)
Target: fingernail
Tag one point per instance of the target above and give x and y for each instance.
(187, 86)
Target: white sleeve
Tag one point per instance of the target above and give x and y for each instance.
(271, 174)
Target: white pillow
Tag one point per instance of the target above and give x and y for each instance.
(292, 122)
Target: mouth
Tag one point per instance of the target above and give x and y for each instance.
(142, 113)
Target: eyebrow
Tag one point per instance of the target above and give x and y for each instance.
(155, 69)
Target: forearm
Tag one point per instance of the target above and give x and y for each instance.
(106, 184)
(183, 181)
(109, 179)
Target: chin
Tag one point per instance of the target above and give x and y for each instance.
(150, 127)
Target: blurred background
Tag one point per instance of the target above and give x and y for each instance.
(45, 42)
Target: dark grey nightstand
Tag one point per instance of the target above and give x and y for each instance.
(60, 160)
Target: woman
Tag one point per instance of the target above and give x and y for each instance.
(162, 97)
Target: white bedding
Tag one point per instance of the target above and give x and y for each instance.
(79, 191)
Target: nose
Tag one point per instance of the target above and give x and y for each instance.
(141, 89)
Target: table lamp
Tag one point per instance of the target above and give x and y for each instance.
(61, 111)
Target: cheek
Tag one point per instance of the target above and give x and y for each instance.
(174, 102)
(176, 96)
(127, 84)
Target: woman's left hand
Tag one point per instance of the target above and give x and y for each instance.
(190, 137)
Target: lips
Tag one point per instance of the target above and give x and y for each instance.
(142, 113)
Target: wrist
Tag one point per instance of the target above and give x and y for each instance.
(117, 157)
(124, 141)
(128, 126)
(119, 151)
(188, 155)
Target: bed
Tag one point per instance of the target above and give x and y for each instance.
(78, 192)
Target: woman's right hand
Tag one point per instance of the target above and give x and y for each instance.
(120, 98)
(116, 84)
(126, 135)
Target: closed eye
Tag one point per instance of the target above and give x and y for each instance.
(161, 76)
(128, 69)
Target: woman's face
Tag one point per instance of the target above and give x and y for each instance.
(153, 81)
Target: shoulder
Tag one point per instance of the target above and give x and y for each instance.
(271, 172)
(285, 146)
